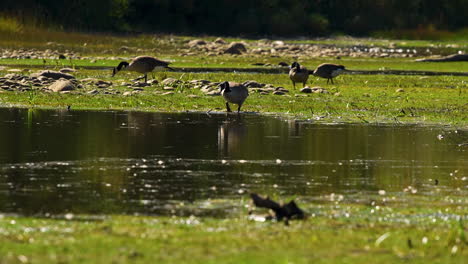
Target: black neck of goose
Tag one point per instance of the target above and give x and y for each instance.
(122, 65)
(225, 86)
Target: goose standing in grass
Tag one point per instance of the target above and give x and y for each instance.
(329, 71)
(234, 93)
(298, 73)
(141, 64)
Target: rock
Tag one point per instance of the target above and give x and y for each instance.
(281, 89)
(220, 41)
(278, 93)
(89, 80)
(14, 70)
(127, 93)
(93, 92)
(167, 93)
(62, 85)
(235, 48)
(168, 88)
(171, 81)
(13, 76)
(125, 49)
(153, 81)
(67, 70)
(53, 74)
(253, 84)
(278, 43)
(283, 64)
(306, 90)
(196, 42)
(400, 90)
(213, 93)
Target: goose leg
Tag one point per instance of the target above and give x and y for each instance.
(238, 109)
(227, 107)
(332, 80)
(294, 85)
(146, 77)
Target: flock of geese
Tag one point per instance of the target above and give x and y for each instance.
(234, 93)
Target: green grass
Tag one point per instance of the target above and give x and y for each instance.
(332, 234)
(353, 98)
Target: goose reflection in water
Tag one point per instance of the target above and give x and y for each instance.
(231, 133)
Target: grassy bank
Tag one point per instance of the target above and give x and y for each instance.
(332, 234)
(353, 98)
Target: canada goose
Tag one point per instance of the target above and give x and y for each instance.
(298, 73)
(234, 93)
(329, 71)
(141, 64)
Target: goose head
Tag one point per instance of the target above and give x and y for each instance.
(224, 86)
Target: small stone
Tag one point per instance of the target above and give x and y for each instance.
(306, 90)
(236, 48)
(400, 90)
(278, 93)
(213, 93)
(220, 41)
(171, 81)
(62, 85)
(67, 70)
(53, 74)
(253, 84)
(167, 93)
(93, 91)
(168, 88)
(14, 70)
(196, 42)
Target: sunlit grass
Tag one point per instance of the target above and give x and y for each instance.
(340, 233)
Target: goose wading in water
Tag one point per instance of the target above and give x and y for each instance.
(142, 64)
(298, 73)
(234, 93)
(328, 71)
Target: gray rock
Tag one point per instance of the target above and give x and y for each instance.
(306, 90)
(53, 74)
(220, 41)
(197, 42)
(278, 93)
(235, 48)
(62, 85)
(253, 84)
(67, 70)
(171, 81)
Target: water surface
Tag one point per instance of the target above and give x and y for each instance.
(54, 162)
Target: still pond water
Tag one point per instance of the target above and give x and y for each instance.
(158, 163)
